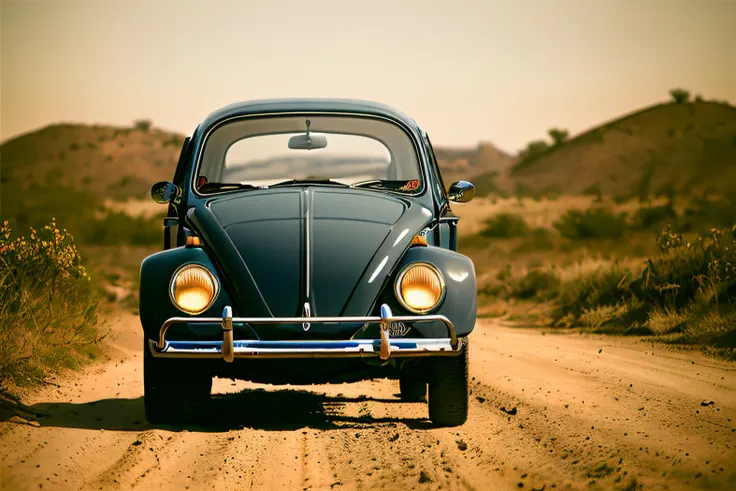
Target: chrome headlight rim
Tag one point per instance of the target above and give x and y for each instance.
(400, 277)
(209, 273)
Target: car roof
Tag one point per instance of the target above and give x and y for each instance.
(264, 106)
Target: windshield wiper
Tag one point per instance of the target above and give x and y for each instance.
(223, 186)
(383, 184)
(292, 182)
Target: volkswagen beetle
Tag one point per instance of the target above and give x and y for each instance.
(308, 241)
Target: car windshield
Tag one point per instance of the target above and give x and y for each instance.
(292, 150)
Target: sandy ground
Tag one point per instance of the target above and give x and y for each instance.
(548, 411)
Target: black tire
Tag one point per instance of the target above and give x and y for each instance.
(168, 385)
(448, 389)
(412, 385)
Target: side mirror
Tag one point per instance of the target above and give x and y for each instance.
(461, 192)
(165, 192)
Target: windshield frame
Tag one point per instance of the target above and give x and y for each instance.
(420, 155)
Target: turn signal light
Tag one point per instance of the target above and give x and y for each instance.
(418, 240)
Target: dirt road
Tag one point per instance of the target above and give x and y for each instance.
(548, 411)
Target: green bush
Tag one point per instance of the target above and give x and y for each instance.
(505, 225)
(558, 135)
(593, 223)
(655, 216)
(680, 96)
(536, 284)
(120, 228)
(536, 147)
(143, 124)
(486, 185)
(539, 239)
(593, 190)
(174, 141)
(703, 213)
(48, 313)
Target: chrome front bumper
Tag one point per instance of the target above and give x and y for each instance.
(228, 349)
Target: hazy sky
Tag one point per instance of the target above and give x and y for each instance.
(502, 71)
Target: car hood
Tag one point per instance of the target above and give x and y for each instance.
(332, 248)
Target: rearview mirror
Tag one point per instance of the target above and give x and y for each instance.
(165, 192)
(307, 142)
(461, 192)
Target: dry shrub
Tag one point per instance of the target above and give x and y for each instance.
(48, 312)
(594, 223)
(505, 225)
(687, 291)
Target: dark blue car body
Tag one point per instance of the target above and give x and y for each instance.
(332, 252)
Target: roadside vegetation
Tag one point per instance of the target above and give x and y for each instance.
(626, 228)
(94, 180)
(49, 315)
(662, 268)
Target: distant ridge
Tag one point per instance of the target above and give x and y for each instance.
(102, 160)
(467, 163)
(665, 148)
(123, 162)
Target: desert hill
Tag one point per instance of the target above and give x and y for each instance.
(123, 162)
(71, 172)
(101, 160)
(666, 148)
(467, 163)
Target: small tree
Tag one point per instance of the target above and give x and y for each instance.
(558, 135)
(681, 96)
(143, 124)
(699, 98)
(536, 147)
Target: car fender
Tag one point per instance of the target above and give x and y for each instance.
(460, 303)
(155, 304)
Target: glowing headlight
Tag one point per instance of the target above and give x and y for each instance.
(193, 288)
(420, 287)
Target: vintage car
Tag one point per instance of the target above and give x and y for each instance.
(308, 241)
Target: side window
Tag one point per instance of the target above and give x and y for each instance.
(441, 190)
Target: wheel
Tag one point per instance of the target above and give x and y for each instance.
(448, 389)
(412, 385)
(168, 384)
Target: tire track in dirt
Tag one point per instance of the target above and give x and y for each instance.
(580, 412)
(623, 417)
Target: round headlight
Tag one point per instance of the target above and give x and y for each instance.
(420, 287)
(193, 288)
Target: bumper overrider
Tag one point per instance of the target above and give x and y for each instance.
(383, 348)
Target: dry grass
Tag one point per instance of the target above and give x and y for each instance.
(135, 207)
(539, 213)
(48, 311)
(683, 292)
(117, 273)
